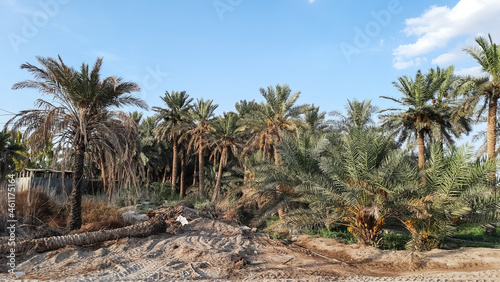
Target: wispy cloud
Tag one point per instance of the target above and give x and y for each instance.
(437, 26)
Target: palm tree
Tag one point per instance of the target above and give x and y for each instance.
(228, 139)
(277, 115)
(172, 123)
(419, 114)
(359, 115)
(79, 115)
(349, 180)
(201, 115)
(313, 119)
(9, 149)
(456, 189)
(487, 89)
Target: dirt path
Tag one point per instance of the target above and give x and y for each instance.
(211, 250)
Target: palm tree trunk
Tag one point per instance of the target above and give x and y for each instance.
(183, 170)
(174, 164)
(165, 174)
(276, 156)
(75, 220)
(143, 229)
(201, 175)
(421, 155)
(491, 135)
(194, 172)
(219, 176)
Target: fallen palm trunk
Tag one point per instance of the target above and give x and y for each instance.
(159, 221)
(150, 227)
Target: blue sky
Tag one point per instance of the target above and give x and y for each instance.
(226, 50)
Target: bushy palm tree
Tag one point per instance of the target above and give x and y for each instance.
(201, 114)
(347, 180)
(79, 115)
(456, 191)
(227, 136)
(173, 123)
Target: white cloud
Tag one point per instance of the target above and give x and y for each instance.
(474, 71)
(440, 24)
(404, 64)
(450, 57)
(312, 1)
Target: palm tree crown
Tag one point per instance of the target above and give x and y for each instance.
(78, 116)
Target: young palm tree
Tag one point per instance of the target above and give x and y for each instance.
(201, 114)
(456, 190)
(349, 180)
(172, 123)
(79, 115)
(228, 139)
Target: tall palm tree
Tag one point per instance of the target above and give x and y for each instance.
(79, 114)
(487, 54)
(419, 114)
(201, 114)
(9, 149)
(228, 139)
(172, 123)
(278, 114)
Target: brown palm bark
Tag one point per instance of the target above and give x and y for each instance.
(183, 171)
(174, 164)
(491, 134)
(491, 131)
(421, 155)
(201, 174)
(75, 219)
(219, 176)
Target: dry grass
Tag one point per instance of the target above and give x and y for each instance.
(98, 215)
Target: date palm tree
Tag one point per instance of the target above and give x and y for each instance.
(419, 116)
(277, 114)
(228, 139)
(78, 115)
(172, 124)
(487, 54)
(201, 114)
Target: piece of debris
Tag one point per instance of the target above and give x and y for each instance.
(182, 220)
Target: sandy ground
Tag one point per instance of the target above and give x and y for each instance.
(211, 250)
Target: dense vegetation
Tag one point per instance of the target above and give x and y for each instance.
(275, 159)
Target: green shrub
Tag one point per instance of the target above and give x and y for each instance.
(395, 241)
(205, 206)
(340, 233)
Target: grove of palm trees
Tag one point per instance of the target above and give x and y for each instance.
(395, 178)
